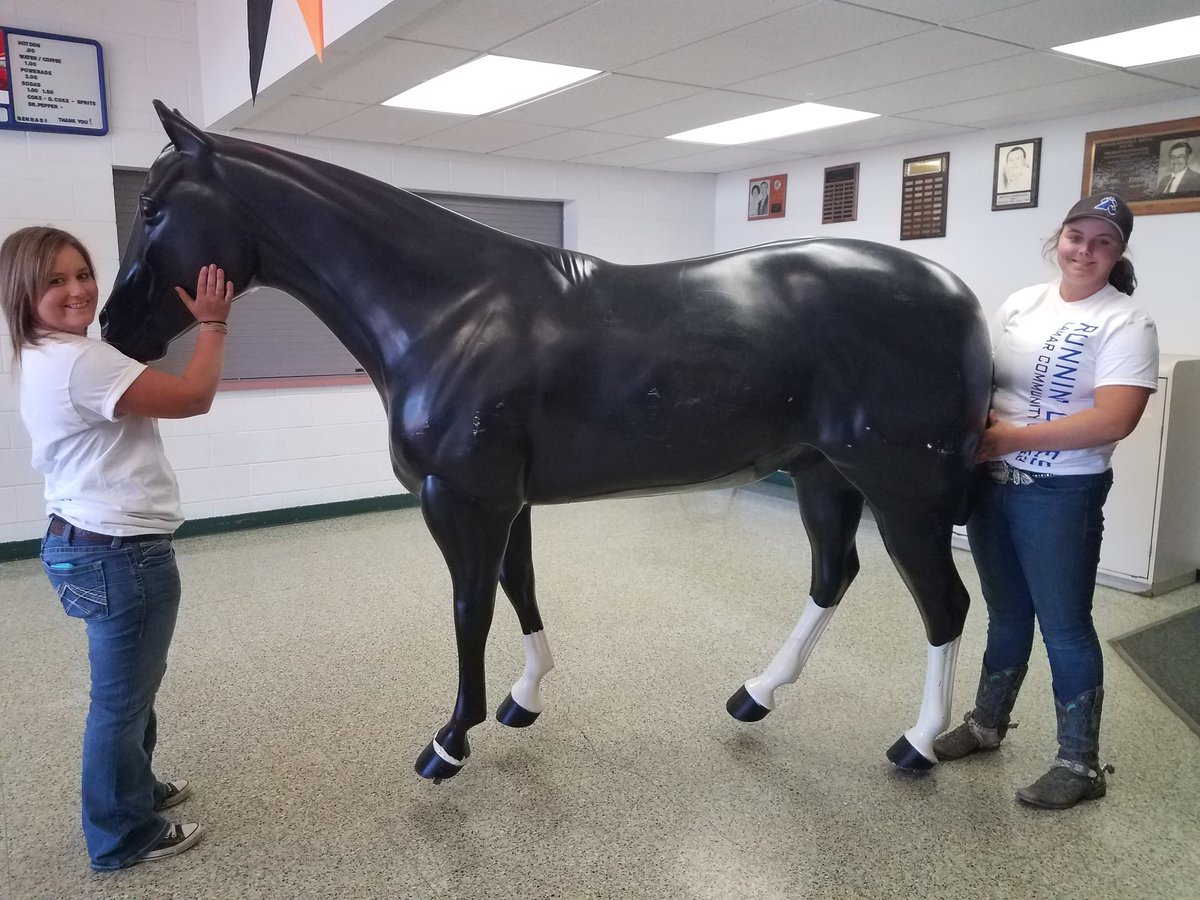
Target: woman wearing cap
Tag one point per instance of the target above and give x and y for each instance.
(1075, 362)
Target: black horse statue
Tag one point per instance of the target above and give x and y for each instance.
(515, 373)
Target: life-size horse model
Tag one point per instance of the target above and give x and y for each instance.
(515, 374)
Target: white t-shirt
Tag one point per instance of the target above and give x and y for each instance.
(1051, 355)
(103, 473)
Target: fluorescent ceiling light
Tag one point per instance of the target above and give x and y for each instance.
(776, 123)
(1142, 46)
(487, 84)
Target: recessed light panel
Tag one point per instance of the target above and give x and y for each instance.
(487, 84)
(1142, 46)
(776, 123)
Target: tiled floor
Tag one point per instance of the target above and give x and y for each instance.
(312, 663)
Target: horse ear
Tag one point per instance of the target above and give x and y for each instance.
(183, 134)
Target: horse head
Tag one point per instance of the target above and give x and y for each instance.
(185, 219)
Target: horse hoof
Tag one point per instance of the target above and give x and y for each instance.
(745, 708)
(514, 715)
(431, 764)
(905, 756)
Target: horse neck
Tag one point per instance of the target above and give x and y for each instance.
(366, 258)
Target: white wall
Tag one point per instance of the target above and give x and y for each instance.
(994, 252)
(273, 449)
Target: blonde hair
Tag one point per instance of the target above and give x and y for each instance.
(27, 260)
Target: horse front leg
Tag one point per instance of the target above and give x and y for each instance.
(525, 701)
(831, 509)
(472, 536)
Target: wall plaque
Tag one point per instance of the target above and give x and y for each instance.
(839, 203)
(923, 198)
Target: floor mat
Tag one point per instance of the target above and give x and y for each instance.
(1166, 655)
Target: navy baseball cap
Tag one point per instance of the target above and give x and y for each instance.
(1106, 206)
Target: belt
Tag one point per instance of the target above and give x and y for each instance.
(60, 526)
(1002, 472)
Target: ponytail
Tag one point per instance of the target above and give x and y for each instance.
(1122, 277)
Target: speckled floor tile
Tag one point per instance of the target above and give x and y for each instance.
(312, 663)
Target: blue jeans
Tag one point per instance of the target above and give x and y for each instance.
(128, 596)
(1037, 547)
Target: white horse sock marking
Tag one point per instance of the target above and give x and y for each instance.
(789, 661)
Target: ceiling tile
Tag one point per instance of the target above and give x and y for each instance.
(1179, 71)
(942, 12)
(641, 154)
(827, 28)
(595, 101)
(570, 144)
(390, 68)
(724, 159)
(301, 115)
(393, 126)
(923, 53)
(871, 132)
(484, 135)
(995, 77)
(690, 112)
(483, 24)
(611, 34)
(1109, 91)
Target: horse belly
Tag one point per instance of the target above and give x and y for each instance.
(662, 441)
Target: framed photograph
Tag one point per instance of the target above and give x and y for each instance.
(767, 198)
(1015, 174)
(1154, 167)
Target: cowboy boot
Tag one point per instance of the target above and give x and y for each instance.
(1076, 774)
(986, 725)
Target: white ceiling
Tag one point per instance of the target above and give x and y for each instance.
(930, 68)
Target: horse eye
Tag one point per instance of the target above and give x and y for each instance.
(146, 205)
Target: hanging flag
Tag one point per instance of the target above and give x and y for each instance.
(314, 18)
(258, 14)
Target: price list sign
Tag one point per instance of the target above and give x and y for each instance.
(51, 82)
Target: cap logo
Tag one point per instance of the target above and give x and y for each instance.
(1107, 205)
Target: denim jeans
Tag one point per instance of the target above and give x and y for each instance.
(128, 596)
(1037, 547)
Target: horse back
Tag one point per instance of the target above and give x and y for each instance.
(720, 369)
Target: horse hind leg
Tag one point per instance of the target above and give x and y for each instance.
(919, 545)
(525, 701)
(472, 536)
(831, 509)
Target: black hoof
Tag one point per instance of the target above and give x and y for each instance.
(431, 765)
(905, 756)
(514, 715)
(745, 708)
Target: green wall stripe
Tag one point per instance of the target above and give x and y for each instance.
(14, 550)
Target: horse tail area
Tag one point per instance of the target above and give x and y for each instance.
(897, 361)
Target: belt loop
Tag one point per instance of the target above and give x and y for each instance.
(68, 532)
(116, 542)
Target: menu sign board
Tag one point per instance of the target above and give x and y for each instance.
(50, 82)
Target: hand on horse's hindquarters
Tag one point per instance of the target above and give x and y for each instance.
(214, 295)
(998, 440)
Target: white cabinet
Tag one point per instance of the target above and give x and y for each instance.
(1152, 517)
